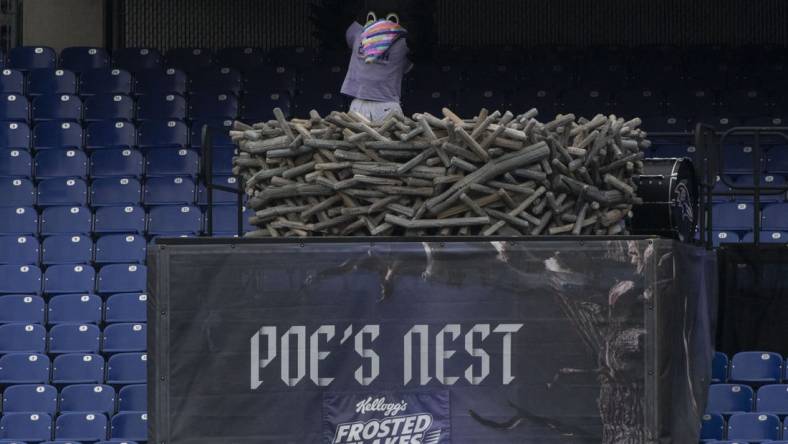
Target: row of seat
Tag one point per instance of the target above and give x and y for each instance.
(743, 428)
(72, 249)
(74, 308)
(113, 441)
(82, 426)
(35, 398)
(72, 338)
(73, 368)
(755, 367)
(727, 399)
(764, 237)
(69, 278)
(739, 216)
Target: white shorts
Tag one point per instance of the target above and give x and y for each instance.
(374, 111)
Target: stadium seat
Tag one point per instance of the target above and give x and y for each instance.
(225, 220)
(12, 82)
(24, 368)
(325, 102)
(299, 57)
(14, 136)
(19, 279)
(644, 101)
(15, 163)
(17, 192)
(14, 108)
(74, 338)
(773, 399)
(159, 81)
(756, 367)
(30, 398)
(125, 338)
(62, 191)
(109, 107)
(57, 107)
(222, 160)
(133, 398)
(20, 221)
(67, 249)
(775, 217)
(11, 441)
(81, 59)
(174, 220)
(75, 308)
(105, 81)
(730, 398)
(213, 106)
(754, 427)
(81, 426)
(161, 133)
(258, 107)
(88, 398)
(172, 162)
(136, 59)
(130, 425)
(123, 219)
(169, 191)
(733, 216)
(56, 134)
(61, 163)
(220, 131)
(125, 162)
(126, 307)
(122, 278)
(120, 249)
(32, 427)
(215, 81)
(767, 237)
(719, 368)
(116, 441)
(777, 160)
(19, 250)
(190, 60)
(69, 278)
(220, 197)
(712, 427)
(32, 57)
(161, 107)
(65, 220)
(127, 368)
(242, 59)
(316, 80)
(24, 309)
(19, 338)
(109, 134)
(51, 81)
(115, 191)
(78, 368)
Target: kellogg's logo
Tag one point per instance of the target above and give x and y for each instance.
(380, 405)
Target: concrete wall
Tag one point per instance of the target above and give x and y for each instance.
(63, 23)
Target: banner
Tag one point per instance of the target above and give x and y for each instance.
(549, 341)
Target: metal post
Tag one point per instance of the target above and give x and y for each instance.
(756, 172)
(207, 165)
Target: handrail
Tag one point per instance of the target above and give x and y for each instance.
(207, 174)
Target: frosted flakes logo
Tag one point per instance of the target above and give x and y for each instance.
(393, 428)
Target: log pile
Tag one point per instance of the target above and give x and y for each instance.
(494, 174)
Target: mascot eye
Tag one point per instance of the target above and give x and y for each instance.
(392, 17)
(371, 17)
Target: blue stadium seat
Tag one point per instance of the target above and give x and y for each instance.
(32, 57)
(754, 427)
(66, 220)
(126, 307)
(159, 81)
(81, 426)
(67, 249)
(133, 398)
(32, 427)
(719, 368)
(712, 427)
(775, 217)
(82, 58)
(115, 191)
(62, 191)
(19, 279)
(14, 108)
(544, 98)
(219, 197)
(14, 135)
(220, 130)
(109, 107)
(773, 399)
(667, 123)
(75, 308)
(78, 368)
(105, 81)
(26, 309)
(259, 107)
(161, 107)
(57, 107)
(222, 160)
(21, 220)
(777, 160)
(639, 101)
(225, 220)
(74, 338)
(109, 134)
(122, 278)
(136, 59)
(19, 250)
(730, 398)
(19, 338)
(61, 163)
(737, 158)
(12, 82)
(125, 338)
(746, 103)
(216, 81)
(69, 278)
(161, 133)
(120, 249)
(124, 162)
(117, 441)
(324, 102)
(296, 56)
(24, 368)
(30, 398)
(11, 441)
(88, 398)
(733, 216)
(725, 237)
(756, 367)
(15, 163)
(57, 134)
(127, 368)
(190, 60)
(17, 192)
(123, 219)
(242, 59)
(174, 220)
(51, 81)
(213, 106)
(172, 162)
(169, 190)
(130, 425)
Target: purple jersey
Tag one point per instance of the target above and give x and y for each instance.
(380, 81)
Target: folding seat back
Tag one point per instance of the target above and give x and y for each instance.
(57, 107)
(20, 279)
(57, 134)
(222, 160)
(719, 368)
(298, 56)
(325, 102)
(220, 197)
(174, 220)
(109, 107)
(159, 81)
(30, 57)
(15, 163)
(169, 190)
(51, 81)
(15, 136)
(725, 237)
(125, 338)
(67, 249)
(124, 162)
(62, 191)
(730, 398)
(120, 249)
(773, 399)
(88, 398)
(121, 219)
(768, 237)
(242, 59)
(753, 427)
(127, 368)
(130, 425)
(17, 192)
(74, 338)
(28, 398)
(115, 191)
(24, 368)
(78, 368)
(82, 426)
(733, 216)
(66, 220)
(133, 398)
(34, 427)
(161, 133)
(172, 162)
(136, 59)
(219, 129)
(122, 278)
(109, 134)
(69, 278)
(190, 59)
(19, 250)
(643, 100)
(105, 81)
(777, 159)
(258, 107)
(81, 59)
(712, 427)
(225, 220)
(25, 309)
(21, 220)
(61, 163)
(75, 308)
(126, 307)
(116, 441)
(213, 106)
(12, 81)
(757, 367)
(775, 217)
(14, 108)
(215, 81)
(161, 107)
(22, 338)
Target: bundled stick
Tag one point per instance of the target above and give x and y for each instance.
(493, 174)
